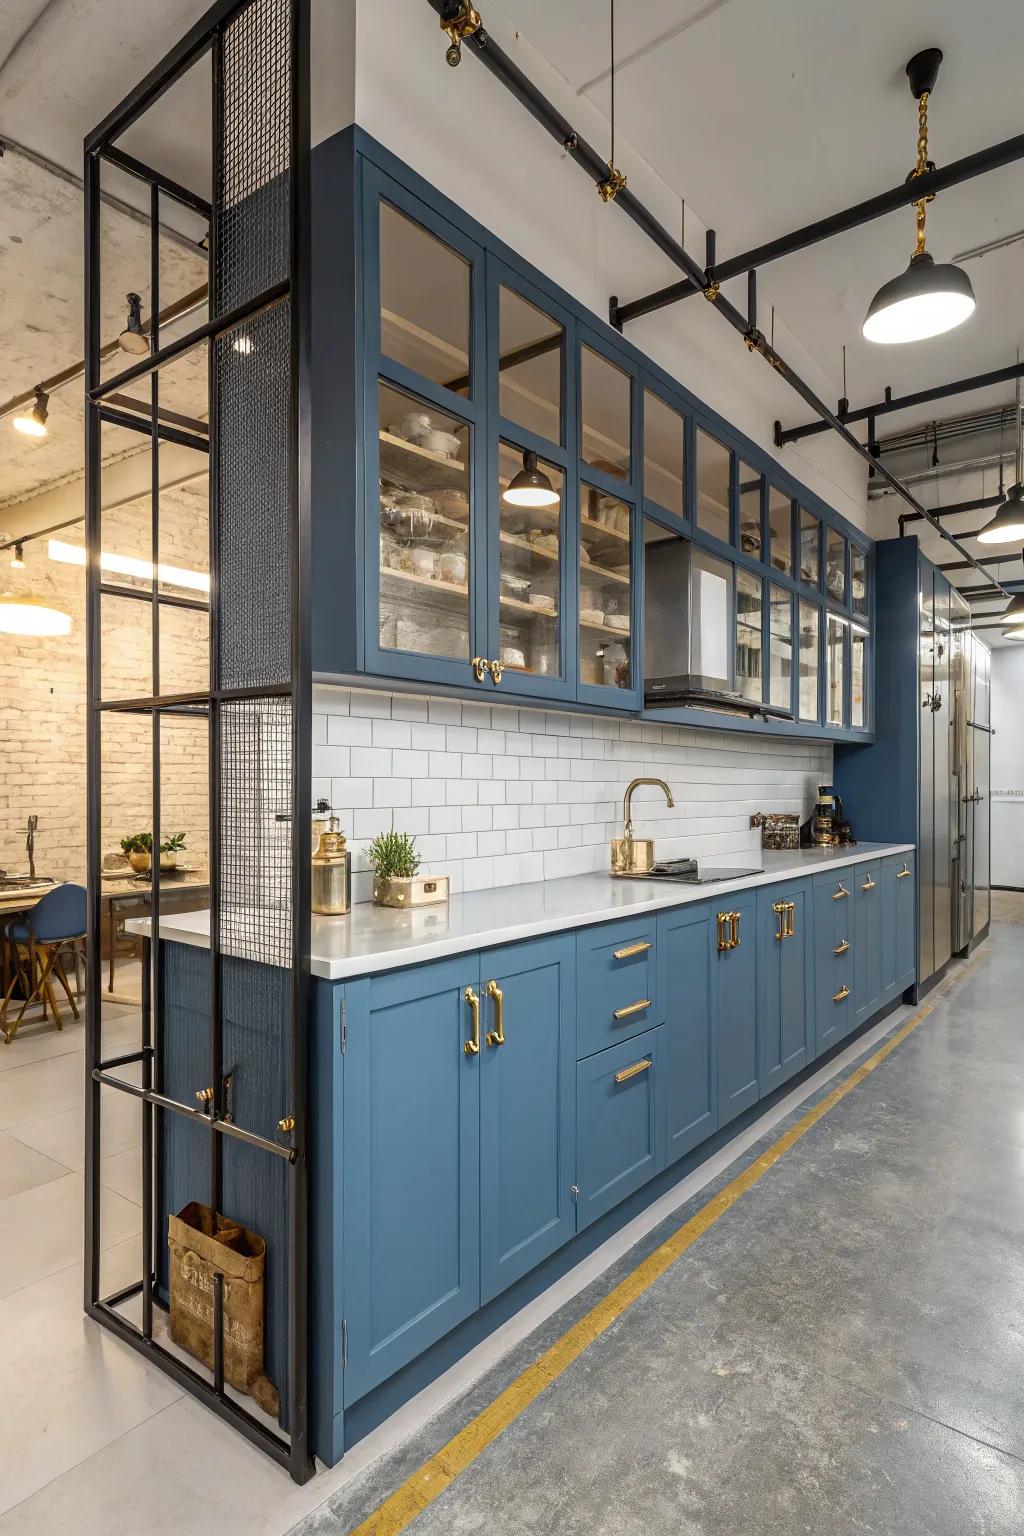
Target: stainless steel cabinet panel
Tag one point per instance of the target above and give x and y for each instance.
(945, 809)
(926, 787)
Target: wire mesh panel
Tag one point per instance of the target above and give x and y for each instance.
(255, 866)
(252, 202)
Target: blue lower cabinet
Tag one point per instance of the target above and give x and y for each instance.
(684, 1008)
(620, 1118)
(527, 1107)
(732, 943)
(899, 926)
(867, 907)
(411, 1166)
(784, 982)
(616, 965)
(833, 962)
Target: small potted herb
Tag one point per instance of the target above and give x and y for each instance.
(138, 848)
(395, 863)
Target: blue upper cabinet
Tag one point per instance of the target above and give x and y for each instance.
(489, 460)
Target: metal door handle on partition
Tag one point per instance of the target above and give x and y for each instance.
(472, 1045)
(497, 1036)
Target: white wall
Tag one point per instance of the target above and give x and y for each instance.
(1008, 767)
(497, 795)
(469, 137)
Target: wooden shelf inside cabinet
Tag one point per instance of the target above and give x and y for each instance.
(418, 468)
(454, 589)
(605, 629)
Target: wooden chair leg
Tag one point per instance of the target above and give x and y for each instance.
(37, 988)
(48, 993)
(61, 975)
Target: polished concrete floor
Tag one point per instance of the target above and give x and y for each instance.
(841, 1352)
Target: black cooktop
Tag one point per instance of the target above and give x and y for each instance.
(692, 872)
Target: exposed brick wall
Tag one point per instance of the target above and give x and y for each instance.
(42, 701)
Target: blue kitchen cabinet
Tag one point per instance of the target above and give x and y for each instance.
(732, 942)
(617, 968)
(684, 1008)
(411, 1166)
(834, 952)
(784, 981)
(620, 1117)
(899, 930)
(527, 1107)
(867, 964)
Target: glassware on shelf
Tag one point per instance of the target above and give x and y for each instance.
(810, 622)
(749, 636)
(780, 647)
(605, 589)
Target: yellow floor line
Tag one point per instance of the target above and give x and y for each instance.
(437, 1474)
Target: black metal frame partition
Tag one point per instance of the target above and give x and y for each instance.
(241, 39)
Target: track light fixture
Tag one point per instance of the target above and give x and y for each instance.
(928, 298)
(531, 486)
(133, 339)
(33, 422)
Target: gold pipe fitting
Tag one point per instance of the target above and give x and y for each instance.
(612, 185)
(463, 24)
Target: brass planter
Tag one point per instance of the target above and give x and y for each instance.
(420, 891)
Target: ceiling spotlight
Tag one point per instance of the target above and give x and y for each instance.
(18, 558)
(531, 486)
(132, 338)
(33, 422)
(928, 298)
(31, 616)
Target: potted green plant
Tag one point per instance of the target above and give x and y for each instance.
(138, 848)
(395, 863)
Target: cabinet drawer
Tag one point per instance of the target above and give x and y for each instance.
(620, 1119)
(615, 964)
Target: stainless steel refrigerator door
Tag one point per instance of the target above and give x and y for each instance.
(945, 808)
(982, 830)
(961, 693)
(926, 784)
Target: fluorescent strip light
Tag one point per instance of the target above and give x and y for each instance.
(129, 565)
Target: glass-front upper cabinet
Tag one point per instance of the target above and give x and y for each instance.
(605, 590)
(835, 566)
(531, 520)
(859, 580)
(808, 698)
(780, 647)
(749, 636)
(664, 454)
(714, 481)
(780, 530)
(810, 549)
(424, 302)
(858, 676)
(835, 669)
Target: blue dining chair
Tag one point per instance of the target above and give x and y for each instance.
(39, 941)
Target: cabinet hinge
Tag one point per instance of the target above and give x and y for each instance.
(344, 1025)
(344, 1342)
(574, 1190)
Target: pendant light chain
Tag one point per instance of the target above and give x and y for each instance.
(614, 181)
(921, 168)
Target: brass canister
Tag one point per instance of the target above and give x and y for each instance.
(332, 874)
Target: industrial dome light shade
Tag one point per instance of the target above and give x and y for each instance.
(132, 338)
(1014, 612)
(1014, 634)
(1007, 526)
(925, 300)
(33, 422)
(531, 486)
(31, 616)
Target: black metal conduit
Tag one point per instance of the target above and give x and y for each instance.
(577, 148)
(900, 196)
(784, 435)
(956, 509)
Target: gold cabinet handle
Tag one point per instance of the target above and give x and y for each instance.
(287, 1124)
(869, 884)
(497, 1036)
(781, 910)
(838, 895)
(734, 923)
(631, 949)
(633, 1071)
(902, 874)
(472, 1045)
(496, 670)
(204, 1096)
(480, 667)
(790, 919)
(841, 995)
(841, 949)
(625, 1013)
(729, 930)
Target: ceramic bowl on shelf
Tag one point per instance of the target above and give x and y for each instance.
(542, 600)
(618, 621)
(409, 426)
(453, 504)
(453, 568)
(445, 443)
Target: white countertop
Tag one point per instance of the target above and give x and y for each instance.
(372, 939)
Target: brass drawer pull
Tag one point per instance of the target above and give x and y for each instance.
(472, 1045)
(631, 949)
(786, 911)
(841, 995)
(496, 668)
(480, 668)
(841, 949)
(901, 874)
(869, 884)
(838, 895)
(729, 930)
(497, 1036)
(634, 1070)
(625, 1013)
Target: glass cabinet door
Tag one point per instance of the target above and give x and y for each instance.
(858, 676)
(605, 590)
(714, 469)
(859, 580)
(424, 301)
(810, 633)
(780, 647)
(749, 636)
(530, 365)
(780, 531)
(749, 537)
(835, 567)
(606, 415)
(664, 436)
(531, 501)
(425, 528)
(810, 549)
(835, 669)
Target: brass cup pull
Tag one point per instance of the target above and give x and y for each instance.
(631, 949)
(838, 895)
(204, 1096)
(287, 1124)
(902, 874)
(841, 949)
(638, 1007)
(472, 1045)
(496, 670)
(497, 1036)
(633, 1071)
(480, 667)
(869, 884)
(841, 995)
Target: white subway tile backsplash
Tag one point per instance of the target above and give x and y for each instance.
(496, 795)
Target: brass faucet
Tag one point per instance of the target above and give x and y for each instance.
(630, 855)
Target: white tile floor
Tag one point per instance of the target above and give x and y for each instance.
(97, 1441)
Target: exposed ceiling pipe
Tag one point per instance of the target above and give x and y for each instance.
(465, 29)
(890, 403)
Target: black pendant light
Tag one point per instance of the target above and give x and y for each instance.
(32, 423)
(929, 297)
(1007, 527)
(133, 339)
(531, 486)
